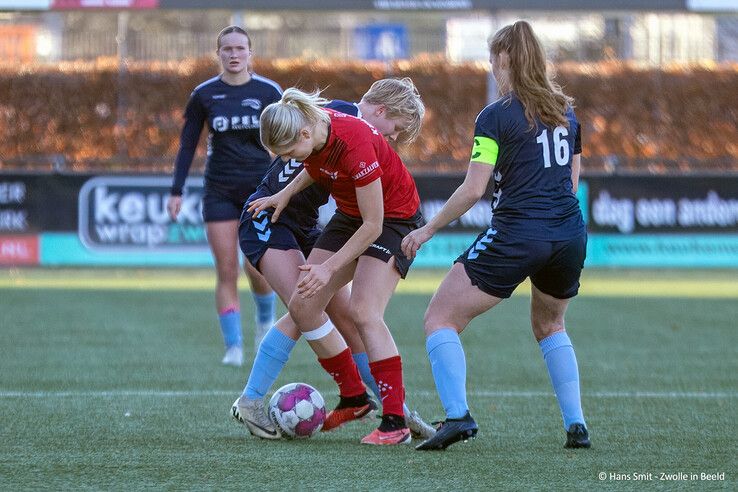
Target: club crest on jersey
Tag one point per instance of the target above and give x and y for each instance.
(251, 103)
(332, 175)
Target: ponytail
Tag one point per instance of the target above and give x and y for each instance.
(281, 122)
(541, 97)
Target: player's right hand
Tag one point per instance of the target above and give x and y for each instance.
(412, 242)
(174, 205)
(277, 202)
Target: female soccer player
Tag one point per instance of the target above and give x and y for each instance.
(529, 141)
(377, 205)
(392, 106)
(231, 104)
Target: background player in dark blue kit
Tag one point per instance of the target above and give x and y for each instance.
(392, 106)
(231, 104)
(529, 141)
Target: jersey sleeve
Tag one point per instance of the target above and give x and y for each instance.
(362, 164)
(578, 140)
(194, 116)
(343, 107)
(486, 137)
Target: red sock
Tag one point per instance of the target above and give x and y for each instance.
(388, 375)
(345, 373)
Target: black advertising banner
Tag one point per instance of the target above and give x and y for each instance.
(106, 210)
(32, 203)
(655, 205)
(60, 219)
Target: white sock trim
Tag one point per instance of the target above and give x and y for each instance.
(319, 332)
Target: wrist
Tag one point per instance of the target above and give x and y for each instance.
(328, 265)
(430, 228)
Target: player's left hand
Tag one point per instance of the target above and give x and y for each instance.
(317, 277)
(412, 242)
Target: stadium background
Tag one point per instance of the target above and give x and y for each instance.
(90, 92)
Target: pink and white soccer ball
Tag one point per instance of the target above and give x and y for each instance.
(298, 410)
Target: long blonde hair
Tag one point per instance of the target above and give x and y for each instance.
(281, 122)
(402, 100)
(541, 97)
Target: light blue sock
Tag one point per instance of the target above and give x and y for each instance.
(265, 307)
(273, 354)
(448, 364)
(562, 368)
(362, 362)
(230, 326)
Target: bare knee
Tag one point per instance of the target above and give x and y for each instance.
(363, 316)
(299, 312)
(545, 327)
(546, 314)
(437, 318)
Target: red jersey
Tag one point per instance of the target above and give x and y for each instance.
(355, 155)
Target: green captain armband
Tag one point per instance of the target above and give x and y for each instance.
(485, 150)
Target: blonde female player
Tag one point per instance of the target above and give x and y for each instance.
(377, 205)
(392, 106)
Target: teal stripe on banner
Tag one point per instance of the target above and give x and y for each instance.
(442, 250)
(663, 250)
(603, 250)
(65, 249)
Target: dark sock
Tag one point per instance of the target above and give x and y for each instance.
(353, 401)
(392, 422)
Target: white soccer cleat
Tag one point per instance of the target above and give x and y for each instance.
(419, 428)
(251, 413)
(233, 356)
(235, 413)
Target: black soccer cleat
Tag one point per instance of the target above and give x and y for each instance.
(577, 437)
(451, 431)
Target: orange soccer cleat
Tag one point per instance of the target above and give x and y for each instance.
(345, 414)
(379, 438)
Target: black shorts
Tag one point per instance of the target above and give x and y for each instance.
(497, 263)
(258, 235)
(341, 227)
(225, 202)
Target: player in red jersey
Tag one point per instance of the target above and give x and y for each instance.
(377, 205)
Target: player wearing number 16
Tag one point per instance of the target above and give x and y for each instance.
(528, 141)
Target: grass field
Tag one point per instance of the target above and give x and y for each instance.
(111, 380)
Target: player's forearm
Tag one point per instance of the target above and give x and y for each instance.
(302, 181)
(576, 167)
(457, 205)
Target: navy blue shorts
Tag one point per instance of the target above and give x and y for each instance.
(257, 235)
(497, 263)
(341, 227)
(221, 202)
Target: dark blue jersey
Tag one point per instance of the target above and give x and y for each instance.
(232, 112)
(533, 194)
(302, 210)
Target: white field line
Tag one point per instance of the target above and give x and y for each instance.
(670, 395)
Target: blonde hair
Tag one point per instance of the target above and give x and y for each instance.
(541, 97)
(281, 122)
(402, 100)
